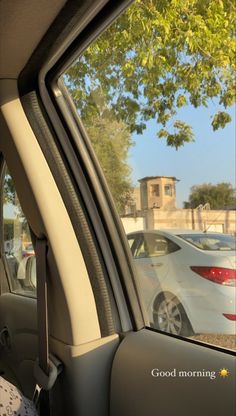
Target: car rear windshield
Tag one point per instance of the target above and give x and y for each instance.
(210, 241)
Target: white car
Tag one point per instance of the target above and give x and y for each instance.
(187, 280)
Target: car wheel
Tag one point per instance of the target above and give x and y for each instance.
(170, 316)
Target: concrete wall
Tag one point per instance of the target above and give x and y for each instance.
(213, 220)
(217, 221)
(133, 224)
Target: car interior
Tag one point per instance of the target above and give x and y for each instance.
(84, 315)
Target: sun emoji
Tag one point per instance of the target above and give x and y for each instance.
(224, 372)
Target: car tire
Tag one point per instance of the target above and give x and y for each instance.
(169, 316)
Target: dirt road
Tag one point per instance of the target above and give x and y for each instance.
(225, 341)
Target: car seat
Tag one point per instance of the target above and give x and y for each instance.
(12, 402)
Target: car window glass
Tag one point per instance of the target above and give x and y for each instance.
(155, 95)
(141, 249)
(211, 242)
(131, 241)
(18, 253)
(156, 245)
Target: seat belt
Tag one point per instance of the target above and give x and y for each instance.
(47, 367)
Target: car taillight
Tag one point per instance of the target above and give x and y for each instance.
(230, 316)
(219, 275)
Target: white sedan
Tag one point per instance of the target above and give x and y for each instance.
(187, 280)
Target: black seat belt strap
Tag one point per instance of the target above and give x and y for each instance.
(47, 367)
(42, 304)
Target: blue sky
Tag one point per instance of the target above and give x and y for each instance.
(211, 158)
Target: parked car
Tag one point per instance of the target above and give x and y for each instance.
(187, 279)
(28, 251)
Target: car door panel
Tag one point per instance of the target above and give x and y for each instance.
(135, 392)
(151, 272)
(18, 341)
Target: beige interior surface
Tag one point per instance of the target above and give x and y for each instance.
(22, 25)
(69, 261)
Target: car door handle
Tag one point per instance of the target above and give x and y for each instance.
(156, 264)
(5, 339)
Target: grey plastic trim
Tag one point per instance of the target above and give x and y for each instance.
(95, 216)
(110, 241)
(122, 262)
(75, 208)
(100, 23)
(116, 239)
(69, 23)
(134, 391)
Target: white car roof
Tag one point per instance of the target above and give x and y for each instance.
(176, 231)
(173, 231)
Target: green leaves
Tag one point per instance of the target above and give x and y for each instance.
(220, 120)
(159, 56)
(111, 141)
(181, 101)
(182, 133)
(218, 196)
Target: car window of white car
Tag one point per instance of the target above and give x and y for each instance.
(153, 96)
(18, 254)
(141, 248)
(131, 241)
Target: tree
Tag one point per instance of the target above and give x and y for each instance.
(111, 141)
(8, 189)
(218, 196)
(159, 56)
(10, 200)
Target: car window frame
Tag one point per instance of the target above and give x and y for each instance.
(79, 52)
(55, 90)
(101, 194)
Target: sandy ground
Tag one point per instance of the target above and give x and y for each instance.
(225, 341)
